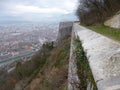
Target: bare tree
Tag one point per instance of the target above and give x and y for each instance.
(96, 11)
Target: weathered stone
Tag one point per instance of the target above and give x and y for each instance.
(73, 80)
(114, 22)
(65, 29)
(103, 55)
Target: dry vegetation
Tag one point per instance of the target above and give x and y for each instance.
(25, 72)
(54, 74)
(47, 70)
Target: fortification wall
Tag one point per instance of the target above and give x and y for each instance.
(65, 29)
(103, 55)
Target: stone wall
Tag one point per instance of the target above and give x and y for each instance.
(103, 55)
(73, 79)
(114, 22)
(65, 29)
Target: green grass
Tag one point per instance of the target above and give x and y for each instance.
(84, 71)
(106, 31)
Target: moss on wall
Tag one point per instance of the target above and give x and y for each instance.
(84, 71)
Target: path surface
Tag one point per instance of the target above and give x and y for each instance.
(103, 55)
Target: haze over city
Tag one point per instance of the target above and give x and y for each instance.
(29, 31)
(22, 25)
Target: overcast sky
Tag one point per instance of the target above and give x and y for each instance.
(37, 10)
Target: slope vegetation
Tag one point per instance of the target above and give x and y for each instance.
(53, 76)
(47, 70)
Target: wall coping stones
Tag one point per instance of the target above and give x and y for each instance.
(103, 55)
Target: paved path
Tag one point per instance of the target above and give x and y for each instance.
(103, 55)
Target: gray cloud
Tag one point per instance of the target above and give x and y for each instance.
(35, 9)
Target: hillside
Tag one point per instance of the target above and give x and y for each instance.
(46, 70)
(24, 72)
(91, 12)
(54, 74)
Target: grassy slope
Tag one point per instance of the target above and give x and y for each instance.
(53, 75)
(106, 31)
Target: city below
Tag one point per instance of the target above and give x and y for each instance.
(19, 41)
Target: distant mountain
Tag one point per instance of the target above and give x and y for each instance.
(56, 19)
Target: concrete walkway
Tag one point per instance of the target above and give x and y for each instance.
(103, 55)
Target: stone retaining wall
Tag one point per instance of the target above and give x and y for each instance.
(65, 29)
(103, 55)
